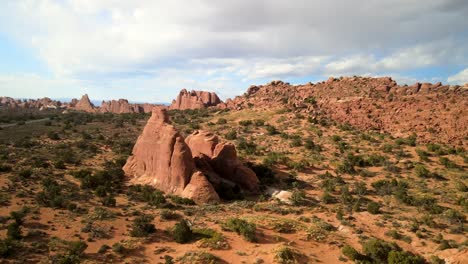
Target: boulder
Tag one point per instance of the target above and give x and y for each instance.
(200, 189)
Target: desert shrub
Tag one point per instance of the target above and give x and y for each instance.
(241, 227)
(274, 158)
(51, 195)
(346, 167)
(259, 122)
(327, 198)
(271, 130)
(5, 168)
(373, 208)
(286, 255)
(310, 145)
(7, 247)
(53, 135)
(350, 253)
(297, 197)
(421, 171)
(109, 201)
(245, 122)
(103, 249)
(25, 173)
(296, 142)
(145, 193)
(211, 238)
(446, 162)
(142, 226)
(198, 257)
(403, 257)
(221, 121)
(378, 249)
(167, 214)
(118, 248)
(248, 147)
(423, 155)
(387, 148)
(182, 233)
(181, 200)
(231, 135)
(14, 231)
(74, 254)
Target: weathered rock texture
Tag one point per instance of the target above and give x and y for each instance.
(195, 100)
(84, 104)
(122, 106)
(9, 103)
(162, 158)
(435, 112)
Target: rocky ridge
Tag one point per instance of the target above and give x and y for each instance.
(434, 112)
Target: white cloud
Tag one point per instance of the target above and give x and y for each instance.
(459, 78)
(224, 45)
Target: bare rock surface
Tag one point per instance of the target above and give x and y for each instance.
(194, 100)
(434, 112)
(85, 105)
(194, 168)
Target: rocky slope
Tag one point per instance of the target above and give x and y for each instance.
(198, 168)
(435, 112)
(194, 100)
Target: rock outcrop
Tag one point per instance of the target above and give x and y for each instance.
(222, 158)
(122, 106)
(84, 104)
(8, 103)
(197, 168)
(194, 100)
(435, 112)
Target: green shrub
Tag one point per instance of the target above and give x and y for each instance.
(373, 208)
(182, 233)
(14, 231)
(167, 214)
(271, 130)
(285, 255)
(402, 257)
(7, 247)
(350, 253)
(378, 249)
(231, 135)
(181, 200)
(142, 226)
(221, 121)
(245, 122)
(242, 227)
(421, 171)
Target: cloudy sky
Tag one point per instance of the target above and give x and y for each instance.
(147, 50)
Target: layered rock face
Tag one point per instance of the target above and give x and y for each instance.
(194, 100)
(435, 112)
(162, 158)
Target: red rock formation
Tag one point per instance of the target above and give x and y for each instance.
(435, 112)
(222, 157)
(194, 100)
(85, 105)
(9, 103)
(162, 158)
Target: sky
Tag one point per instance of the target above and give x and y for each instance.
(148, 50)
